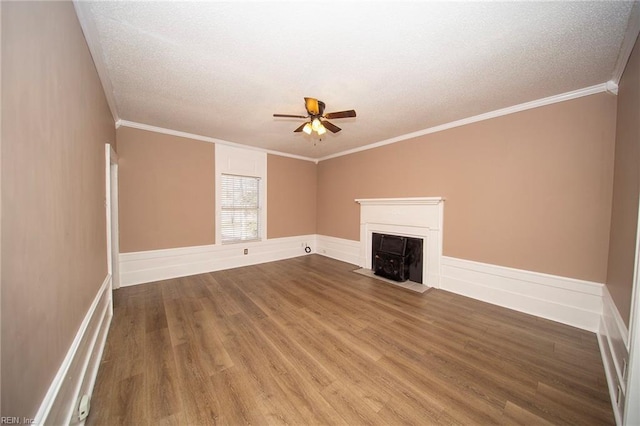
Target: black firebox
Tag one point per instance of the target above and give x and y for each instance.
(397, 257)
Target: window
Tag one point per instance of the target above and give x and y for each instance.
(241, 189)
(240, 208)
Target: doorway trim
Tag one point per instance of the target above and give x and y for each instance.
(111, 205)
(631, 414)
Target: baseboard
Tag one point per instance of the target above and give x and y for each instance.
(339, 249)
(77, 374)
(613, 338)
(156, 265)
(566, 300)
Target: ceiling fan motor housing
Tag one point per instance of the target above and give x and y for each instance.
(315, 109)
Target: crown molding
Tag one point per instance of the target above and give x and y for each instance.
(630, 37)
(598, 88)
(608, 87)
(91, 36)
(612, 87)
(142, 126)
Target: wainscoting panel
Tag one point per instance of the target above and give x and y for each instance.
(339, 249)
(613, 337)
(77, 374)
(566, 300)
(155, 265)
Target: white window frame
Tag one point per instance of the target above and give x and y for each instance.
(231, 160)
(254, 209)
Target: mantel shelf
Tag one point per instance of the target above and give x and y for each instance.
(399, 201)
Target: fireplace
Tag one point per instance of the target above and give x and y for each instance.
(419, 218)
(397, 257)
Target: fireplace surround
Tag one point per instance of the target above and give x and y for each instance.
(417, 217)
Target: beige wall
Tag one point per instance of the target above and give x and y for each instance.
(167, 199)
(55, 124)
(530, 190)
(166, 191)
(626, 188)
(291, 197)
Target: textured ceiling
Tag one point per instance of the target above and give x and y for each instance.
(221, 70)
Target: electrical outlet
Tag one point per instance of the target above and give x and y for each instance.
(246, 251)
(83, 407)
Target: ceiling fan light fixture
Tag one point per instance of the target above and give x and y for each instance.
(316, 115)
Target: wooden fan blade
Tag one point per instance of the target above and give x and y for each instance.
(289, 115)
(312, 106)
(341, 114)
(299, 129)
(331, 127)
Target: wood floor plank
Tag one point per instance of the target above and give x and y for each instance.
(493, 374)
(104, 391)
(409, 409)
(568, 406)
(218, 308)
(161, 386)
(199, 405)
(263, 373)
(461, 403)
(131, 404)
(212, 352)
(291, 379)
(349, 403)
(153, 307)
(236, 398)
(481, 377)
(341, 357)
(514, 414)
(306, 341)
(311, 370)
(246, 305)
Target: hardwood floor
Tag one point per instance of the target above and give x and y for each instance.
(306, 341)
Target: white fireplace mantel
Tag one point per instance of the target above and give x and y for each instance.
(399, 201)
(418, 217)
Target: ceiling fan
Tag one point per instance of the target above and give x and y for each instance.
(317, 118)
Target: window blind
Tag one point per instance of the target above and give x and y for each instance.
(240, 208)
